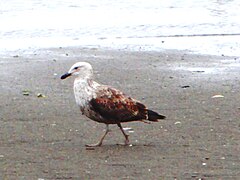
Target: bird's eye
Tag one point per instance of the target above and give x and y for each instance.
(75, 68)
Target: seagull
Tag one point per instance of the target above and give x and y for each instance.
(105, 104)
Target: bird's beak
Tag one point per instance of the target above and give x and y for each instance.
(66, 75)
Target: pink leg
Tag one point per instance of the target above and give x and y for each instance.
(125, 135)
(101, 140)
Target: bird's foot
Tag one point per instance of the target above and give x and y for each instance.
(94, 145)
(126, 142)
(101, 140)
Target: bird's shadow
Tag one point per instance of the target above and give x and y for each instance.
(120, 146)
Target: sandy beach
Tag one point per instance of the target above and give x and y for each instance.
(43, 134)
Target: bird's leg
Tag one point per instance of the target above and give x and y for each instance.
(101, 140)
(125, 135)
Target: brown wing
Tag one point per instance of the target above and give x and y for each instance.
(115, 107)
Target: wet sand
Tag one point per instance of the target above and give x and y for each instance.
(43, 137)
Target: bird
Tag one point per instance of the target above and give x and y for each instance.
(105, 104)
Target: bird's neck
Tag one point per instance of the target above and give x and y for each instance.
(84, 82)
(84, 90)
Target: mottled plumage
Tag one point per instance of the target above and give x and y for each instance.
(105, 104)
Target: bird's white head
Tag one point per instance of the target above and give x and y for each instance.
(79, 69)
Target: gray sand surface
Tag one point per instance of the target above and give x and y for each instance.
(45, 137)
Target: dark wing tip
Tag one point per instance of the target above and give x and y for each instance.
(154, 116)
(162, 116)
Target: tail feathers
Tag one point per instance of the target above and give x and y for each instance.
(153, 116)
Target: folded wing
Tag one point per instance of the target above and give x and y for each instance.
(114, 106)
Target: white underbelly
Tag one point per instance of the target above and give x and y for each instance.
(83, 95)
